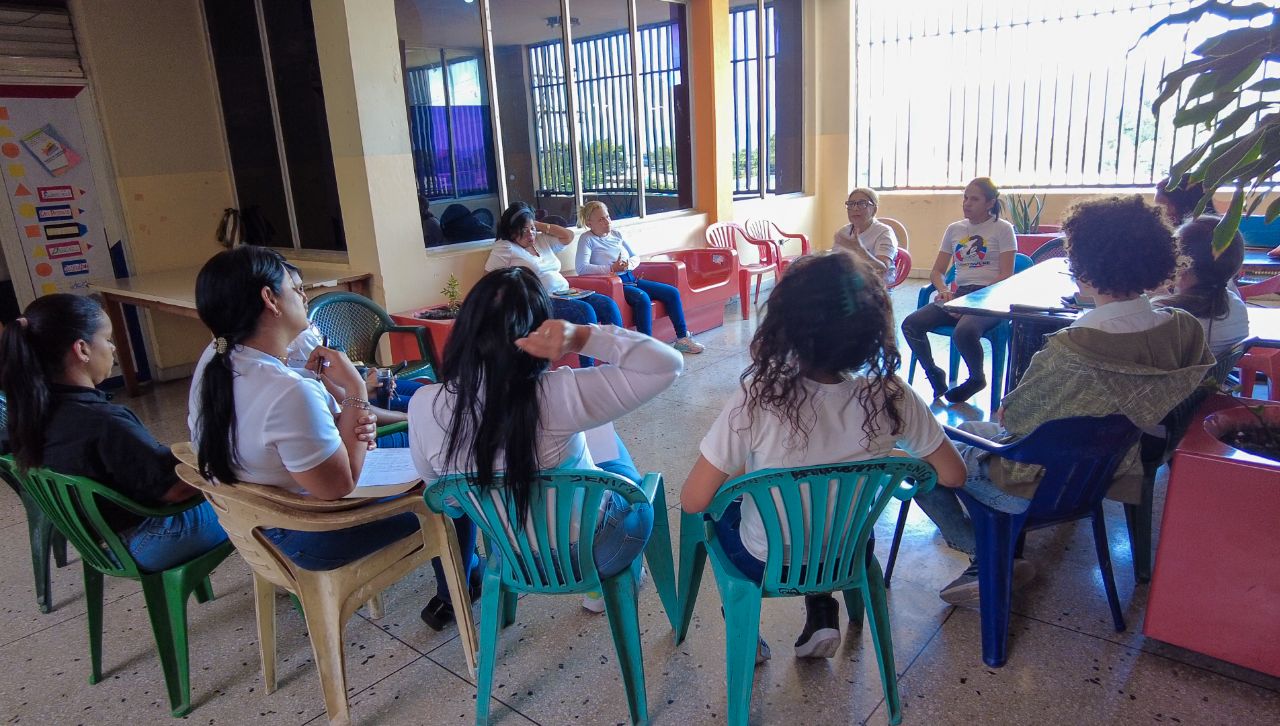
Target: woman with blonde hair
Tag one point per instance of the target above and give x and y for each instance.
(865, 236)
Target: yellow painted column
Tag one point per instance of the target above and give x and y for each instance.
(712, 108)
(835, 83)
(360, 69)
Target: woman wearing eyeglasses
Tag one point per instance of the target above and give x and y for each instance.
(865, 237)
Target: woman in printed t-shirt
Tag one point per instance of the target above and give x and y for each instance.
(982, 247)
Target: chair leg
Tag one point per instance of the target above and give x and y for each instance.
(509, 602)
(1104, 563)
(41, 533)
(451, 556)
(167, 609)
(744, 292)
(693, 558)
(93, 614)
(742, 619)
(999, 356)
(1138, 517)
(996, 544)
(624, 622)
(657, 553)
(323, 612)
(759, 279)
(911, 370)
(264, 606)
(491, 607)
(854, 607)
(204, 591)
(903, 509)
(878, 614)
(376, 608)
(59, 544)
(953, 374)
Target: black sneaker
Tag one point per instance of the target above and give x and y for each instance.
(966, 390)
(964, 589)
(439, 612)
(821, 634)
(937, 380)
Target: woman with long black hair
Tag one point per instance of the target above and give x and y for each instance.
(51, 362)
(499, 407)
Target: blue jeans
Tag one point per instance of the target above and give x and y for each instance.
(594, 308)
(159, 543)
(639, 295)
(330, 550)
(727, 533)
(404, 391)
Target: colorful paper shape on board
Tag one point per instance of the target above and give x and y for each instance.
(51, 150)
(48, 288)
(54, 213)
(75, 267)
(22, 191)
(39, 253)
(27, 209)
(59, 250)
(6, 132)
(10, 149)
(66, 230)
(32, 231)
(17, 171)
(4, 113)
(44, 269)
(56, 194)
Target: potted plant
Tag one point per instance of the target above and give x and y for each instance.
(1243, 150)
(1216, 583)
(1024, 215)
(438, 319)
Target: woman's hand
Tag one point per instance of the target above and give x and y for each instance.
(367, 430)
(945, 294)
(371, 384)
(621, 266)
(333, 366)
(555, 339)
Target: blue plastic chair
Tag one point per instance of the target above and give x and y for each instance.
(1257, 233)
(528, 559)
(1079, 456)
(997, 336)
(834, 558)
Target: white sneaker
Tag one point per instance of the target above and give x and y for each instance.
(688, 345)
(594, 600)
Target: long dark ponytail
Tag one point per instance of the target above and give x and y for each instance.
(229, 300)
(495, 384)
(33, 351)
(1207, 298)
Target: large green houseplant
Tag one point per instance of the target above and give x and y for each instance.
(1243, 151)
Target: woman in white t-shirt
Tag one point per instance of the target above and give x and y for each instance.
(254, 419)
(810, 397)
(982, 247)
(865, 236)
(1204, 285)
(524, 242)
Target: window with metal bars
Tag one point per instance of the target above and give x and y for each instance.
(450, 130)
(1048, 94)
(766, 106)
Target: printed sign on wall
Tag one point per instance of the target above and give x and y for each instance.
(51, 190)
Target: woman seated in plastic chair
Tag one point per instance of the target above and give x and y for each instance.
(254, 419)
(809, 397)
(1123, 356)
(499, 407)
(982, 247)
(51, 360)
(866, 237)
(522, 242)
(1205, 285)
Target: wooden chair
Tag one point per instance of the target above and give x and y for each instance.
(330, 597)
(725, 236)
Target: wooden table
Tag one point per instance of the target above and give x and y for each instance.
(174, 291)
(1044, 285)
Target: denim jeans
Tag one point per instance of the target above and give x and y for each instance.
(730, 538)
(159, 543)
(639, 295)
(330, 550)
(595, 308)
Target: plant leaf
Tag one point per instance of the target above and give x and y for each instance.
(1219, 163)
(1210, 7)
(1234, 41)
(1266, 85)
(1203, 112)
(1227, 227)
(1273, 210)
(1172, 81)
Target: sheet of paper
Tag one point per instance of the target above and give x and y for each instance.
(602, 442)
(387, 466)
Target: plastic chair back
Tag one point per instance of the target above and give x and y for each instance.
(721, 234)
(762, 229)
(901, 268)
(1269, 286)
(1053, 248)
(899, 231)
(1258, 233)
(353, 323)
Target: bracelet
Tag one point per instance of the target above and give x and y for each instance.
(356, 402)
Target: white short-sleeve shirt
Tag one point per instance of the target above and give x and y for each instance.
(975, 249)
(878, 240)
(545, 263)
(284, 417)
(735, 445)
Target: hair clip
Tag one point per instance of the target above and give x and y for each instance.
(849, 294)
(21, 321)
(220, 345)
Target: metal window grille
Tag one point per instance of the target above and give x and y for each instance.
(606, 113)
(1043, 94)
(747, 94)
(451, 143)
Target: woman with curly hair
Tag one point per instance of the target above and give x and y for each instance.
(821, 373)
(1124, 356)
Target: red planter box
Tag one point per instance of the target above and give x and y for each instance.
(1028, 243)
(1216, 584)
(439, 330)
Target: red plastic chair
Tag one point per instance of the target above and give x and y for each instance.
(766, 229)
(1257, 359)
(722, 235)
(901, 269)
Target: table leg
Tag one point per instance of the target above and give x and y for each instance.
(124, 352)
(1025, 340)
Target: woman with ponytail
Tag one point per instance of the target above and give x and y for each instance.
(1203, 286)
(254, 419)
(51, 361)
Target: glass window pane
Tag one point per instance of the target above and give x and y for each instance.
(529, 67)
(450, 119)
(746, 110)
(246, 112)
(784, 94)
(662, 41)
(291, 39)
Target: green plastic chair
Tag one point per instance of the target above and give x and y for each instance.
(355, 324)
(45, 538)
(73, 504)
(833, 558)
(526, 559)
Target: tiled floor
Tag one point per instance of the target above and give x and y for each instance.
(557, 664)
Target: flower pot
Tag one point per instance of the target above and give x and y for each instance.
(1028, 243)
(438, 330)
(1216, 584)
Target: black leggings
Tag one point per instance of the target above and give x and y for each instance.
(967, 337)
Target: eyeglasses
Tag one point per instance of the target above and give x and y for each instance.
(530, 230)
(859, 204)
(300, 289)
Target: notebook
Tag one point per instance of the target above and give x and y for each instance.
(386, 473)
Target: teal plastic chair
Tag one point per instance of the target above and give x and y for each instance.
(355, 324)
(45, 538)
(998, 337)
(527, 559)
(73, 504)
(833, 558)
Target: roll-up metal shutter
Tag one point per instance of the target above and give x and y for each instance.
(36, 40)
